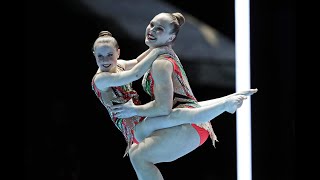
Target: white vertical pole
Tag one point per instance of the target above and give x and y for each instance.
(243, 114)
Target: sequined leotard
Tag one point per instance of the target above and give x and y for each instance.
(120, 95)
(183, 96)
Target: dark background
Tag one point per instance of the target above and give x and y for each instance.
(67, 133)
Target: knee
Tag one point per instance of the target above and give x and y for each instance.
(141, 132)
(136, 157)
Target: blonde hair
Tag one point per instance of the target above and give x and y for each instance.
(105, 37)
(180, 18)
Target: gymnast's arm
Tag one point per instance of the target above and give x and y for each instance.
(129, 64)
(163, 91)
(104, 80)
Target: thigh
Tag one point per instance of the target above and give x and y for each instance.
(166, 145)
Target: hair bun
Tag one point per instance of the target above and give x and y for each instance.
(180, 18)
(105, 33)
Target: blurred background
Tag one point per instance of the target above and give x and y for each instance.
(68, 134)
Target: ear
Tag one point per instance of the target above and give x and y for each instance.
(172, 37)
(118, 52)
(92, 49)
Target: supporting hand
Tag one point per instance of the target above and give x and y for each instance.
(125, 110)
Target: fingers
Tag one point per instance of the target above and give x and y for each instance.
(117, 114)
(115, 106)
(115, 109)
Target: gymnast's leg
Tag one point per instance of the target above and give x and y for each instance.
(180, 116)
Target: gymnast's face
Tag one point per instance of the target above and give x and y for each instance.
(106, 57)
(158, 32)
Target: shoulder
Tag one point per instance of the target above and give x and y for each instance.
(121, 63)
(162, 62)
(100, 80)
(162, 66)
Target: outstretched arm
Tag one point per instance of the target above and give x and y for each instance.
(129, 64)
(104, 80)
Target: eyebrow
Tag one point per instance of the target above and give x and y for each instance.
(106, 54)
(160, 26)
